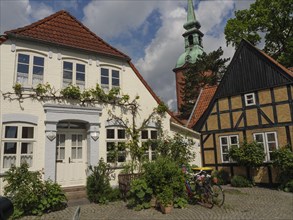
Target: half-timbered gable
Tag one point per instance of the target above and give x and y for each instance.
(253, 102)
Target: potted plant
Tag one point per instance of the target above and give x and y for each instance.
(165, 199)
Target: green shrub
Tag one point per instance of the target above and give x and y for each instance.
(166, 196)
(178, 148)
(222, 176)
(240, 181)
(29, 194)
(289, 186)
(180, 202)
(98, 184)
(248, 154)
(162, 173)
(140, 195)
(282, 159)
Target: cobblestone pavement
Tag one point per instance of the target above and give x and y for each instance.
(240, 203)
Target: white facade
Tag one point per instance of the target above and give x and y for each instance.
(59, 138)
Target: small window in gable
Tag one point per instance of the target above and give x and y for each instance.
(30, 69)
(249, 99)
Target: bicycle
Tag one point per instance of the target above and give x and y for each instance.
(206, 190)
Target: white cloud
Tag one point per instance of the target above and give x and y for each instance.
(40, 11)
(111, 18)
(164, 50)
(15, 14)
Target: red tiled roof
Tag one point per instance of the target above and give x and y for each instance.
(202, 104)
(2, 39)
(63, 29)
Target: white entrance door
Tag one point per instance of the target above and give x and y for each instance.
(71, 158)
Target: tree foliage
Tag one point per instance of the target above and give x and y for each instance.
(268, 20)
(207, 70)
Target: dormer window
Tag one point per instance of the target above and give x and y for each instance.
(30, 69)
(249, 99)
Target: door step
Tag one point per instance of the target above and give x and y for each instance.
(76, 195)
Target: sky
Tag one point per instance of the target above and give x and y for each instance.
(149, 31)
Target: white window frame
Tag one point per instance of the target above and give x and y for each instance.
(30, 76)
(74, 80)
(109, 86)
(266, 143)
(228, 145)
(18, 140)
(150, 153)
(247, 99)
(116, 140)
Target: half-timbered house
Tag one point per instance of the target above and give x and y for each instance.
(253, 102)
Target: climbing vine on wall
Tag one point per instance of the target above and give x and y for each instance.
(91, 97)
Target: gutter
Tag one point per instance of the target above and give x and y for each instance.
(185, 129)
(53, 44)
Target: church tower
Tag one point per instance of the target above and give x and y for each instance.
(193, 48)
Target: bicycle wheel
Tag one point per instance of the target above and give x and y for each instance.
(218, 195)
(206, 198)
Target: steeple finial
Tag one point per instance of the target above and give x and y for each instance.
(192, 38)
(190, 12)
(191, 20)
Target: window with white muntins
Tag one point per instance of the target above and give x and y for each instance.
(110, 78)
(73, 73)
(30, 69)
(149, 146)
(226, 142)
(249, 99)
(269, 141)
(18, 142)
(116, 145)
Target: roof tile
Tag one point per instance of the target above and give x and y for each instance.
(204, 100)
(63, 29)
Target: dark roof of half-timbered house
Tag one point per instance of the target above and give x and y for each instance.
(250, 70)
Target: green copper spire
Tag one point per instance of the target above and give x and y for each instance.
(193, 38)
(191, 20)
(190, 13)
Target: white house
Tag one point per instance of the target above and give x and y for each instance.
(61, 138)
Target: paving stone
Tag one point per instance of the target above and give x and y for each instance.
(240, 203)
